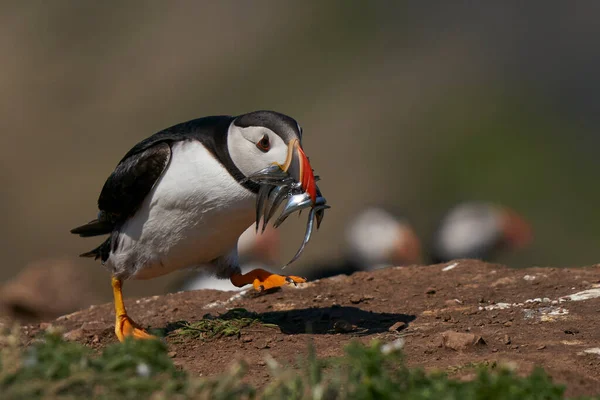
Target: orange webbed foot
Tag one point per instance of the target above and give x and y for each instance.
(126, 327)
(264, 280)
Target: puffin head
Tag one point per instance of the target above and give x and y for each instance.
(266, 147)
(377, 237)
(479, 230)
(261, 139)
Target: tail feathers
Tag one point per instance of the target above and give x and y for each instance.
(101, 251)
(93, 228)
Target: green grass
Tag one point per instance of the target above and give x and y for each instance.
(210, 327)
(55, 369)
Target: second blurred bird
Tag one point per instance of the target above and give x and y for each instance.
(479, 230)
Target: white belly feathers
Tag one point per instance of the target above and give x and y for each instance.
(194, 214)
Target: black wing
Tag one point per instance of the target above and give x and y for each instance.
(132, 180)
(127, 187)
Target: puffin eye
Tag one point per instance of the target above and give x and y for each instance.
(264, 144)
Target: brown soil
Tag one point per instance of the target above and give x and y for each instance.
(524, 317)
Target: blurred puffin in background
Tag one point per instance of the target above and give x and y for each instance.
(375, 238)
(478, 230)
(255, 250)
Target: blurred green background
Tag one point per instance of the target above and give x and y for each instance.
(418, 105)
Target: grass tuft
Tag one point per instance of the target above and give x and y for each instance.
(210, 327)
(53, 368)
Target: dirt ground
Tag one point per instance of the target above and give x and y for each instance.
(525, 317)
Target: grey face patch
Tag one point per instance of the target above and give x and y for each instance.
(286, 127)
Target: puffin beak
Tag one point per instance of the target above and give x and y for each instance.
(408, 249)
(298, 167)
(517, 231)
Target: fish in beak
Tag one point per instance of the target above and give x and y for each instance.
(294, 181)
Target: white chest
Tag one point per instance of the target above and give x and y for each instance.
(195, 213)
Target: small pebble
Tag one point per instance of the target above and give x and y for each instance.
(45, 325)
(76, 334)
(398, 326)
(355, 299)
(262, 344)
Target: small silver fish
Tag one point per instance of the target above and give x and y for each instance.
(276, 186)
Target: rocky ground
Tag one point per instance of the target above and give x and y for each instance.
(452, 317)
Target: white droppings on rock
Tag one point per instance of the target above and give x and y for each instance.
(536, 300)
(497, 306)
(529, 277)
(571, 342)
(233, 298)
(580, 296)
(449, 267)
(147, 300)
(593, 350)
(545, 314)
(557, 311)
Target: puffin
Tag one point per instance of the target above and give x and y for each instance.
(376, 237)
(478, 230)
(182, 197)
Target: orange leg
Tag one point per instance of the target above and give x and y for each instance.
(264, 280)
(125, 326)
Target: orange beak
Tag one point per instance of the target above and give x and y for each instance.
(408, 248)
(518, 233)
(298, 166)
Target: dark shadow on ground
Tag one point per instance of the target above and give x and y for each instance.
(324, 320)
(334, 320)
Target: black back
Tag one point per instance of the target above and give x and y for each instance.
(141, 167)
